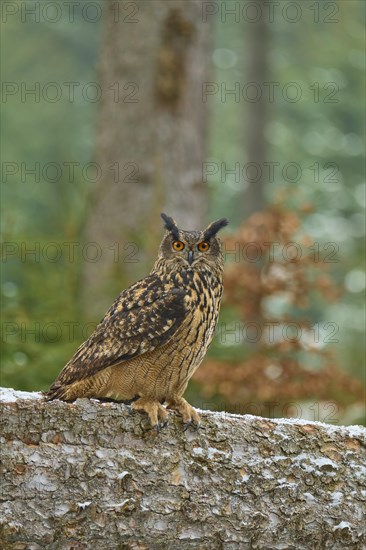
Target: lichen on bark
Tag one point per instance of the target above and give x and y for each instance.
(90, 475)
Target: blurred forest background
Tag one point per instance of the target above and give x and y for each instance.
(116, 111)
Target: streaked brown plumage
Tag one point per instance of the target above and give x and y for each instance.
(156, 333)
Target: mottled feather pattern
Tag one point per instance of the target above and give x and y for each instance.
(156, 333)
(140, 319)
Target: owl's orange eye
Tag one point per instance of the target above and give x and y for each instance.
(203, 246)
(178, 246)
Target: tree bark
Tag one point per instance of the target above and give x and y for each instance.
(89, 475)
(257, 112)
(151, 136)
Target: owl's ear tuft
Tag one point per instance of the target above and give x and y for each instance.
(214, 227)
(170, 225)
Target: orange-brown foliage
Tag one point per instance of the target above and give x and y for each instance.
(274, 372)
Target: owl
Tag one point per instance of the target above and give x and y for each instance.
(156, 333)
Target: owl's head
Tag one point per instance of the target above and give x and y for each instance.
(191, 250)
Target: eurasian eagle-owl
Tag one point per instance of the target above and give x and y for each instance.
(156, 333)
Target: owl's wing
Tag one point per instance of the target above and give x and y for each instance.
(143, 317)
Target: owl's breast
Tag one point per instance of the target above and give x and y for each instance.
(203, 297)
(203, 294)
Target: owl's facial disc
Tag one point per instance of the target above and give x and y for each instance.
(191, 250)
(185, 249)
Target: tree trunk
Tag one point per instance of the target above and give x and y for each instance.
(88, 475)
(151, 136)
(258, 45)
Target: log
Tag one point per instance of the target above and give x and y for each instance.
(91, 475)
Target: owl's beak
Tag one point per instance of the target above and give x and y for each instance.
(190, 257)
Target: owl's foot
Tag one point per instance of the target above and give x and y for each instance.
(157, 414)
(189, 415)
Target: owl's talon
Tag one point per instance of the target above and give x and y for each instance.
(190, 416)
(192, 424)
(161, 425)
(198, 426)
(164, 423)
(157, 414)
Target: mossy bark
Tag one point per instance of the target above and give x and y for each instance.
(89, 475)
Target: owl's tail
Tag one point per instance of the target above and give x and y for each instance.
(64, 393)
